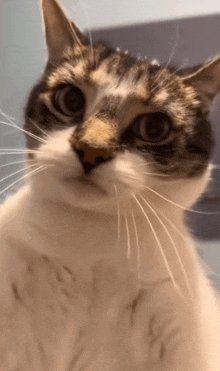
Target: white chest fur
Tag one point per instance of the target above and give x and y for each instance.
(71, 298)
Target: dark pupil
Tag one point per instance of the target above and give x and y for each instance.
(69, 100)
(74, 99)
(154, 127)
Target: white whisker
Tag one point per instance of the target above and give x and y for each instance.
(131, 177)
(210, 270)
(40, 168)
(16, 172)
(184, 64)
(159, 245)
(24, 131)
(175, 204)
(9, 118)
(90, 40)
(15, 163)
(153, 174)
(173, 244)
(137, 241)
(184, 239)
(128, 236)
(170, 58)
(158, 174)
(17, 150)
(44, 132)
(119, 217)
(14, 153)
(147, 163)
(173, 225)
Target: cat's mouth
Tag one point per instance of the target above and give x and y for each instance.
(84, 184)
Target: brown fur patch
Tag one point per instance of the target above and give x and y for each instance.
(67, 73)
(99, 76)
(98, 132)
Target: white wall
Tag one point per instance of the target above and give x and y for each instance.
(107, 13)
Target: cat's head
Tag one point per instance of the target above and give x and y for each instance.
(113, 125)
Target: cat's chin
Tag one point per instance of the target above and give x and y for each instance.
(84, 193)
(84, 186)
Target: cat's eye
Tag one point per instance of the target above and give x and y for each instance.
(69, 100)
(152, 127)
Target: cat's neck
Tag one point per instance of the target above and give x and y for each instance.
(80, 238)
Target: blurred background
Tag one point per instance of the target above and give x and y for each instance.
(182, 34)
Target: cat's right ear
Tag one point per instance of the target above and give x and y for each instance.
(61, 33)
(206, 81)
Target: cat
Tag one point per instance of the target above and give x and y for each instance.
(98, 270)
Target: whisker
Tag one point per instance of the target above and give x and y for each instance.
(9, 118)
(173, 244)
(16, 162)
(158, 174)
(128, 236)
(159, 245)
(119, 217)
(137, 241)
(90, 37)
(131, 176)
(210, 270)
(24, 131)
(173, 225)
(16, 172)
(184, 239)
(18, 150)
(214, 166)
(40, 168)
(91, 44)
(184, 64)
(144, 163)
(170, 58)
(154, 174)
(38, 127)
(180, 206)
(14, 153)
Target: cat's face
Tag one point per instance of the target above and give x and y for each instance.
(115, 125)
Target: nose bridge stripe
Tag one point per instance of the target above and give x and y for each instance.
(98, 131)
(95, 142)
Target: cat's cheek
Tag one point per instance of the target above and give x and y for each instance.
(125, 174)
(56, 153)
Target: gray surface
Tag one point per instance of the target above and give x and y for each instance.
(210, 253)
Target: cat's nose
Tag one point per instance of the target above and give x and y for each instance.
(94, 142)
(90, 157)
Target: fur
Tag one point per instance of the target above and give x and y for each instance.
(98, 271)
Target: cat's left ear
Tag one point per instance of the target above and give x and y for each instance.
(206, 82)
(61, 33)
